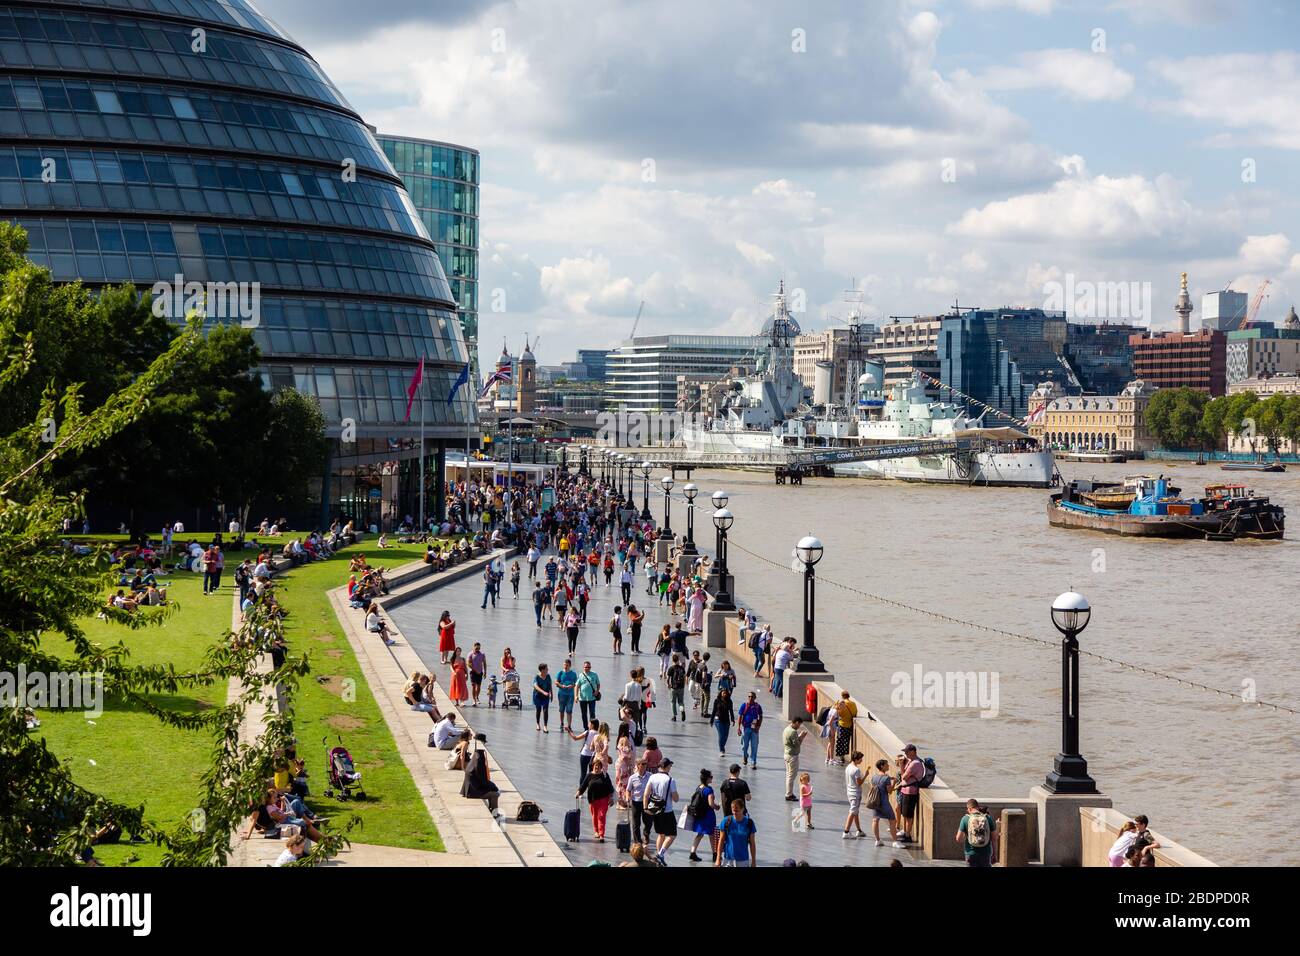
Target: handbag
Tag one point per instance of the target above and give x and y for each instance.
(687, 820)
(873, 800)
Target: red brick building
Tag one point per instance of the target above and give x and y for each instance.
(1175, 360)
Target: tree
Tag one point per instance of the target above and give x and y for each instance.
(1269, 417)
(1174, 416)
(1225, 415)
(46, 818)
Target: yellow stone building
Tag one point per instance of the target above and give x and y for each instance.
(1091, 422)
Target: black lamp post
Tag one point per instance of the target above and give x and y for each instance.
(667, 530)
(1069, 774)
(690, 490)
(809, 550)
(646, 468)
(722, 520)
(618, 464)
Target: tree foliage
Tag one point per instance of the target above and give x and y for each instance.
(1174, 416)
(46, 817)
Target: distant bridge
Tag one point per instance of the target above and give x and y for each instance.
(792, 460)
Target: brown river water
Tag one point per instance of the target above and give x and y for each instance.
(1214, 773)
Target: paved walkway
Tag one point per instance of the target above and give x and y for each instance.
(544, 767)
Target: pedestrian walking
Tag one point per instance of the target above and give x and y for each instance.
(616, 629)
(882, 785)
(598, 788)
(588, 686)
(722, 717)
(975, 833)
(660, 798)
(853, 777)
(565, 682)
(588, 751)
(543, 690)
(477, 670)
(738, 845)
(702, 814)
(446, 636)
(676, 680)
(751, 720)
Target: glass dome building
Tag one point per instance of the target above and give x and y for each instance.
(166, 141)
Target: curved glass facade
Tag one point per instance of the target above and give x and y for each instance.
(442, 181)
(151, 140)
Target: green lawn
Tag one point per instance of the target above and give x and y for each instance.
(393, 814)
(126, 754)
(131, 757)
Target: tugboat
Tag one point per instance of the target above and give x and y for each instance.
(1155, 510)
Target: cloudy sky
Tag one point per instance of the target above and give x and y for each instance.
(690, 153)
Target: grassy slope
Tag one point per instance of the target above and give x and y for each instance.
(131, 757)
(128, 755)
(393, 814)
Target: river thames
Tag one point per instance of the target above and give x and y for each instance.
(1214, 773)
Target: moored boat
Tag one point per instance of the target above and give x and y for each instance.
(1227, 512)
(1272, 466)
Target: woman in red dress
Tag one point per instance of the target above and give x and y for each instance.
(459, 679)
(446, 637)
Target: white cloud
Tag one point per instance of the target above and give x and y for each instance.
(1255, 95)
(1084, 210)
(1079, 74)
(1264, 252)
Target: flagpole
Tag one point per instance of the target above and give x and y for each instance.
(469, 418)
(423, 527)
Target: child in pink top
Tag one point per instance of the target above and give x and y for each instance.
(805, 797)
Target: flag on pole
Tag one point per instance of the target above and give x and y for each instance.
(414, 387)
(502, 375)
(461, 379)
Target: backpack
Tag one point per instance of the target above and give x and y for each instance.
(655, 805)
(931, 772)
(529, 812)
(699, 804)
(753, 640)
(977, 830)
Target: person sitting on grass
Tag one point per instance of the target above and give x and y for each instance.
(358, 563)
(382, 543)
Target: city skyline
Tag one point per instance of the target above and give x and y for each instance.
(1113, 157)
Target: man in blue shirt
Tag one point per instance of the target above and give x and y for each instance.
(565, 682)
(750, 719)
(739, 845)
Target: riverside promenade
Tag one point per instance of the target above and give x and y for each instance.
(544, 767)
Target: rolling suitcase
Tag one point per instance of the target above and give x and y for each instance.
(572, 825)
(623, 833)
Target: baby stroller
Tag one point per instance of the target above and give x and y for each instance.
(513, 697)
(343, 776)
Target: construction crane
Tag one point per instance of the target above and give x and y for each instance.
(637, 320)
(1260, 295)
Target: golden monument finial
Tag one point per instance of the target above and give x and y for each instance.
(1184, 281)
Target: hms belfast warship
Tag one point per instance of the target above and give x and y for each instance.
(772, 411)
